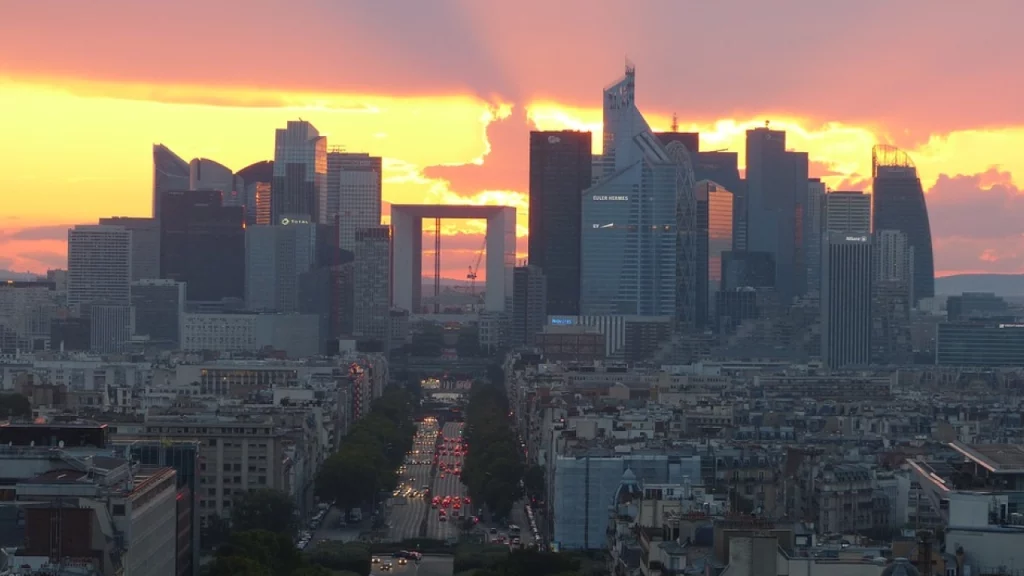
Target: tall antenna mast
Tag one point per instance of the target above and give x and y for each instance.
(675, 122)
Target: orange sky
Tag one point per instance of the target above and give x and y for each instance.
(447, 94)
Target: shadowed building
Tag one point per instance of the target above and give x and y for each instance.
(898, 203)
(202, 244)
(300, 172)
(170, 172)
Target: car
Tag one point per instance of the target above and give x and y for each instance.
(442, 518)
(493, 531)
(402, 561)
(374, 560)
(386, 566)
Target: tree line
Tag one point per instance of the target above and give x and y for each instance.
(366, 462)
(494, 467)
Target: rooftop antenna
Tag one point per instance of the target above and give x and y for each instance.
(675, 122)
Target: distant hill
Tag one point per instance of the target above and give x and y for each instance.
(999, 284)
(21, 276)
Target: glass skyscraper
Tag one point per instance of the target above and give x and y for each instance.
(638, 243)
(170, 172)
(898, 203)
(300, 173)
(715, 234)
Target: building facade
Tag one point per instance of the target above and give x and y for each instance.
(300, 172)
(159, 309)
(353, 194)
(560, 170)
(99, 265)
(145, 244)
(813, 233)
(170, 172)
(529, 299)
(275, 258)
(372, 289)
(848, 213)
(846, 301)
(715, 236)
(206, 174)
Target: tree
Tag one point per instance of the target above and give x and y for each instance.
(264, 509)
(236, 566)
(534, 481)
(216, 532)
(352, 557)
(15, 405)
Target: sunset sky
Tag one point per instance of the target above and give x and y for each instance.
(447, 90)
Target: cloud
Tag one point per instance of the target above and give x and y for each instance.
(54, 232)
(975, 222)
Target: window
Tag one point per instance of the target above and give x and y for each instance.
(118, 509)
(212, 442)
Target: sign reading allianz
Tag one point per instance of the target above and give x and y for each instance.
(601, 198)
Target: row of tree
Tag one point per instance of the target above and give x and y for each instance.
(367, 460)
(498, 561)
(493, 469)
(265, 553)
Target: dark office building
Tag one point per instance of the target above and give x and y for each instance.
(972, 305)
(714, 238)
(184, 458)
(70, 334)
(529, 298)
(723, 168)
(776, 190)
(982, 344)
(170, 172)
(55, 435)
(202, 243)
(689, 139)
(328, 292)
(644, 339)
(560, 170)
(159, 306)
(898, 203)
(732, 307)
(747, 270)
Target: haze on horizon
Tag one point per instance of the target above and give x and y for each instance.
(447, 91)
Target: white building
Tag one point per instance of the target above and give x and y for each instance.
(353, 193)
(297, 334)
(99, 265)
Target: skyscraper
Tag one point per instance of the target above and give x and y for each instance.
(300, 172)
(256, 182)
(145, 244)
(275, 257)
(776, 188)
(639, 221)
(170, 172)
(353, 194)
(99, 266)
(202, 244)
(714, 225)
(899, 204)
(813, 214)
(846, 300)
(848, 212)
(560, 170)
(159, 310)
(529, 298)
(893, 292)
(372, 291)
(723, 168)
(206, 174)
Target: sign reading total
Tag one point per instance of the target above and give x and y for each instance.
(287, 221)
(612, 198)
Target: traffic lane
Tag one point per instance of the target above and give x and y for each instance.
(429, 565)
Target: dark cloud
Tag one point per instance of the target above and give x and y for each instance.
(54, 232)
(505, 167)
(45, 258)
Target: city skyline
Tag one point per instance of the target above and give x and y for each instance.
(100, 109)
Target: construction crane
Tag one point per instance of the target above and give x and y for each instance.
(471, 276)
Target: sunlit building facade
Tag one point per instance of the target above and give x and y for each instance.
(715, 236)
(300, 172)
(639, 221)
(898, 203)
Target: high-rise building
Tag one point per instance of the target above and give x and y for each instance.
(202, 243)
(275, 257)
(529, 299)
(145, 244)
(372, 291)
(99, 266)
(846, 300)
(742, 269)
(639, 221)
(723, 167)
(170, 172)
(776, 188)
(813, 229)
(560, 170)
(714, 224)
(848, 213)
(353, 194)
(159, 309)
(206, 174)
(255, 181)
(26, 311)
(892, 300)
(110, 328)
(300, 172)
(898, 203)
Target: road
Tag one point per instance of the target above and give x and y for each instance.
(448, 485)
(406, 513)
(428, 566)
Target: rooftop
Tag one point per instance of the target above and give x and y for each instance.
(996, 458)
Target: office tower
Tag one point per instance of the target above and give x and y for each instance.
(741, 269)
(689, 139)
(813, 229)
(353, 194)
(205, 174)
(639, 221)
(714, 225)
(256, 182)
(275, 257)
(898, 203)
(170, 172)
(848, 213)
(776, 187)
(892, 300)
(300, 172)
(372, 290)
(145, 244)
(723, 168)
(529, 301)
(976, 305)
(69, 334)
(26, 311)
(202, 243)
(159, 309)
(110, 328)
(99, 266)
(560, 170)
(846, 300)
